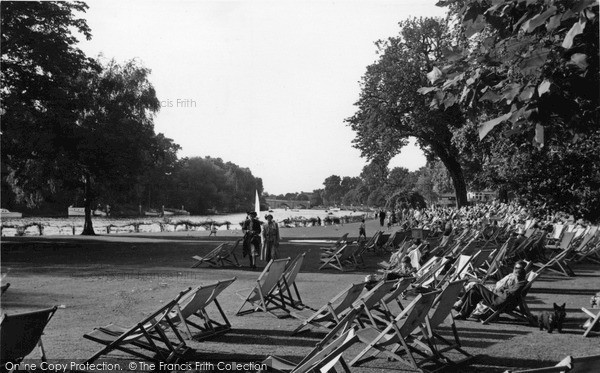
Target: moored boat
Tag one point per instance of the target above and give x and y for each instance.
(4, 213)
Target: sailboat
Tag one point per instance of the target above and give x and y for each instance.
(257, 204)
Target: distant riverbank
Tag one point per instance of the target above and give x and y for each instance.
(32, 226)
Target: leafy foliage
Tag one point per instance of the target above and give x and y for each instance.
(526, 75)
(390, 110)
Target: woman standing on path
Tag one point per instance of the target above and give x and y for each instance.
(270, 232)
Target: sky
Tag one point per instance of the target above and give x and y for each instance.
(262, 84)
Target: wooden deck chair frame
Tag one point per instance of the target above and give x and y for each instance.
(210, 258)
(592, 322)
(371, 244)
(336, 245)
(268, 286)
(558, 263)
(565, 365)
(21, 333)
(396, 340)
(323, 360)
(338, 259)
(228, 252)
(515, 305)
(401, 286)
(585, 364)
(389, 245)
(195, 303)
(331, 313)
(443, 309)
(148, 334)
(587, 241)
(345, 324)
(290, 295)
(374, 300)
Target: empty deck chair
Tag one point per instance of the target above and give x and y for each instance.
(330, 314)
(400, 287)
(373, 301)
(340, 260)
(210, 258)
(195, 303)
(322, 361)
(390, 244)
(592, 323)
(336, 246)
(396, 341)
(443, 309)
(21, 333)
(148, 337)
(290, 294)
(345, 324)
(268, 286)
(227, 254)
(371, 244)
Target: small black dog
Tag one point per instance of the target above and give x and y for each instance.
(553, 320)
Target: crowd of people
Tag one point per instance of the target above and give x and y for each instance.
(484, 221)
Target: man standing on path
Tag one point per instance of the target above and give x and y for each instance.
(381, 218)
(251, 229)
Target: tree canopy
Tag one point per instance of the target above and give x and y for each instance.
(390, 110)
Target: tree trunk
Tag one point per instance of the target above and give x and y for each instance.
(455, 170)
(458, 180)
(88, 229)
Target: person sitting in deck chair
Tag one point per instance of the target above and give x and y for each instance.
(508, 285)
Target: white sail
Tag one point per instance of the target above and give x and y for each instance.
(257, 205)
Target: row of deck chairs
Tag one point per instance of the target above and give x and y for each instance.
(219, 256)
(410, 337)
(148, 339)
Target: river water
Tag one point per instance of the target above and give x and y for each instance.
(35, 226)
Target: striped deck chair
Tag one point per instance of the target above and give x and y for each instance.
(396, 341)
(195, 303)
(268, 286)
(148, 337)
(340, 260)
(210, 258)
(21, 333)
(330, 314)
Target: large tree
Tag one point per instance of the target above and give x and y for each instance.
(68, 121)
(40, 64)
(526, 74)
(390, 110)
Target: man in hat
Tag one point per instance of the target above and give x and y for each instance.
(251, 229)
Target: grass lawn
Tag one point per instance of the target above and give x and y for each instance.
(120, 279)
